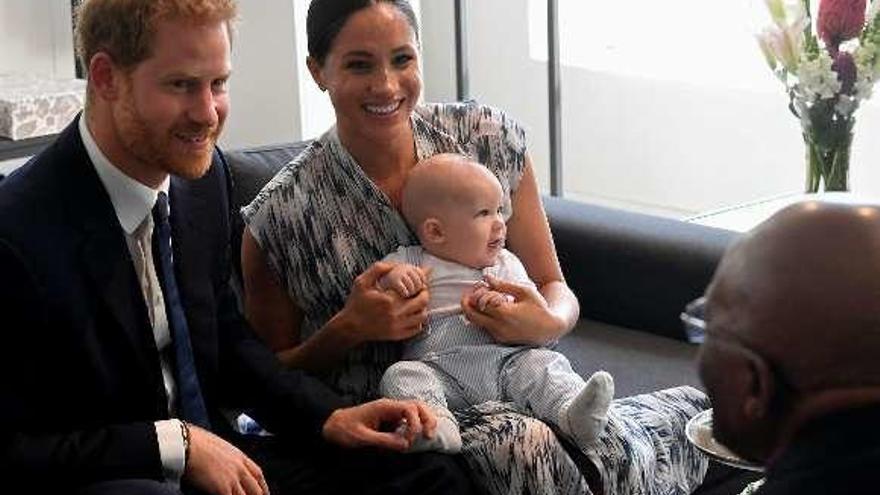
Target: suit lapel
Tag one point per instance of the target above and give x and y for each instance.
(104, 251)
(193, 224)
(106, 260)
(187, 204)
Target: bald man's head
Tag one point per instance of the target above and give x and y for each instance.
(797, 299)
(805, 286)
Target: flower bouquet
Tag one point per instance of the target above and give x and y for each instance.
(826, 74)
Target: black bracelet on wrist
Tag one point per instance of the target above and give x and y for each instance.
(184, 432)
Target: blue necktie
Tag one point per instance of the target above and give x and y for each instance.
(191, 404)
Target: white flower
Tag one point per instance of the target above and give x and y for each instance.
(783, 45)
(864, 87)
(816, 79)
(786, 12)
(867, 58)
(777, 11)
(767, 50)
(783, 41)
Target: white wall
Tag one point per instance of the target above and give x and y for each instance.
(316, 110)
(264, 88)
(438, 50)
(36, 37)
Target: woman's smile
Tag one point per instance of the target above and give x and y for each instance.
(383, 109)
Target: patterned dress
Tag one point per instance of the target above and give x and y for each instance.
(321, 222)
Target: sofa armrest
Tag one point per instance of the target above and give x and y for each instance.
(632, 269)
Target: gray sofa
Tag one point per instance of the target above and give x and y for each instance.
(632, 273)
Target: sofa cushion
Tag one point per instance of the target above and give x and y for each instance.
(631, 269)
(640, 362)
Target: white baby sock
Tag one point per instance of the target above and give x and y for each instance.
(587, 414)
(447, 438)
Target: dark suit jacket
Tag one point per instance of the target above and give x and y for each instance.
(80, 379)
(839, 454)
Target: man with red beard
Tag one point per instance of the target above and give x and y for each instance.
(123, 349)
(790, 355)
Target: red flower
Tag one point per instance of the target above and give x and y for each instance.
(840, 20)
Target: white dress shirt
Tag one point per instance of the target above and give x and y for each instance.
(133, 203)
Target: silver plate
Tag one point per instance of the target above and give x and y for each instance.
(699, 432)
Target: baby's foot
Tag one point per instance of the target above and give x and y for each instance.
(447, 438)
(587, 414)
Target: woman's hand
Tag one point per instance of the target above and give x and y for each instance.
(483, 297)
(371, 313)
(527, 320)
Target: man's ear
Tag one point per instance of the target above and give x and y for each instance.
(761, 391)
(104, 76)
(432, 231)
(315, 71)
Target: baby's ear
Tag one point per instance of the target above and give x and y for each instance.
(432, 232)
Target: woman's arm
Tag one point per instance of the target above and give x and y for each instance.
(369, 314)
(537, 317)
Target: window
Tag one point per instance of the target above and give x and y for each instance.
(667, 107)
(699, 42)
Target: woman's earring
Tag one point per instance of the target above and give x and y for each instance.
(322, 88)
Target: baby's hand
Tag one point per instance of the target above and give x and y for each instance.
(483, 297)
(407, 280)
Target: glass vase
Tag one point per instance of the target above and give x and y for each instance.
(827, 156)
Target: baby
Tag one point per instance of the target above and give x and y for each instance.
(455, 207)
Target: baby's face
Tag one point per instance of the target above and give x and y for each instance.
(474, 227)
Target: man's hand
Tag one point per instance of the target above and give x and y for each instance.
(405, 279)
(216, 466)
(359, 426)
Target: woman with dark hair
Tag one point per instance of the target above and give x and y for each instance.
(317, 230)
